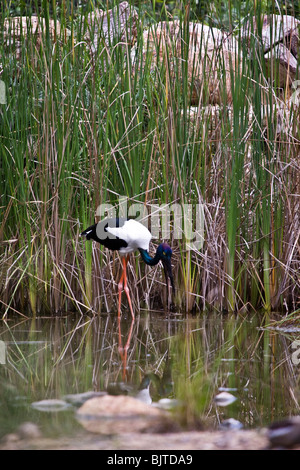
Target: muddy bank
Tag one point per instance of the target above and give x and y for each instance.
(193, 440)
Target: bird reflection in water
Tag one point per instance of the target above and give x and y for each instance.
(123, 350)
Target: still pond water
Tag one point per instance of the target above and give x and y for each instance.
(185, 359)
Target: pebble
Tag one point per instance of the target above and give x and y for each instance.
(51, 405)
(224, 399)
(78, 399)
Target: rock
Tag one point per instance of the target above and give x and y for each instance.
(78, 399)
(29, 431)
(17, 27)
(224, 399)
(285, 433)
(275, 29)
(10, 441)
(230, 424)
(121, 414)
(280, 39)
(281, 63)
(168, 404)
(50, 405)
(118, 24)
(213, 59)
(285, 58)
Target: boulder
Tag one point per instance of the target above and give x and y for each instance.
(275, 29)
(103, 27)
(107, 27)
(279, 36)
(212, 59)
(18, 27)
(122, 414)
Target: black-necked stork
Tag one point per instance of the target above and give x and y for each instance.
(127, 236)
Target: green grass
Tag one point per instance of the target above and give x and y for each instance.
(81, 129)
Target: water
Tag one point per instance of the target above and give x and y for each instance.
(186, 360)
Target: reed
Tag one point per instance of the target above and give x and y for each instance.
(80, 129)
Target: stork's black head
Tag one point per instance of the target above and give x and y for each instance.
(165, 252)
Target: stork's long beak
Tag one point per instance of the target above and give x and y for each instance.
(168, 273)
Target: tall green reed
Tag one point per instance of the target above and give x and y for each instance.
(83, 127)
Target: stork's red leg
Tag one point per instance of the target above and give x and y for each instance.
(126, 289)
(124, 350)
(123, 284)
(120, 288)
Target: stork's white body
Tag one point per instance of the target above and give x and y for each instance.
(135, 234)
(127, 236)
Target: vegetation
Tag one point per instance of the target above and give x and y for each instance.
(81, 128)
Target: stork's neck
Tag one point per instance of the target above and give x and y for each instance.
(148, 259)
